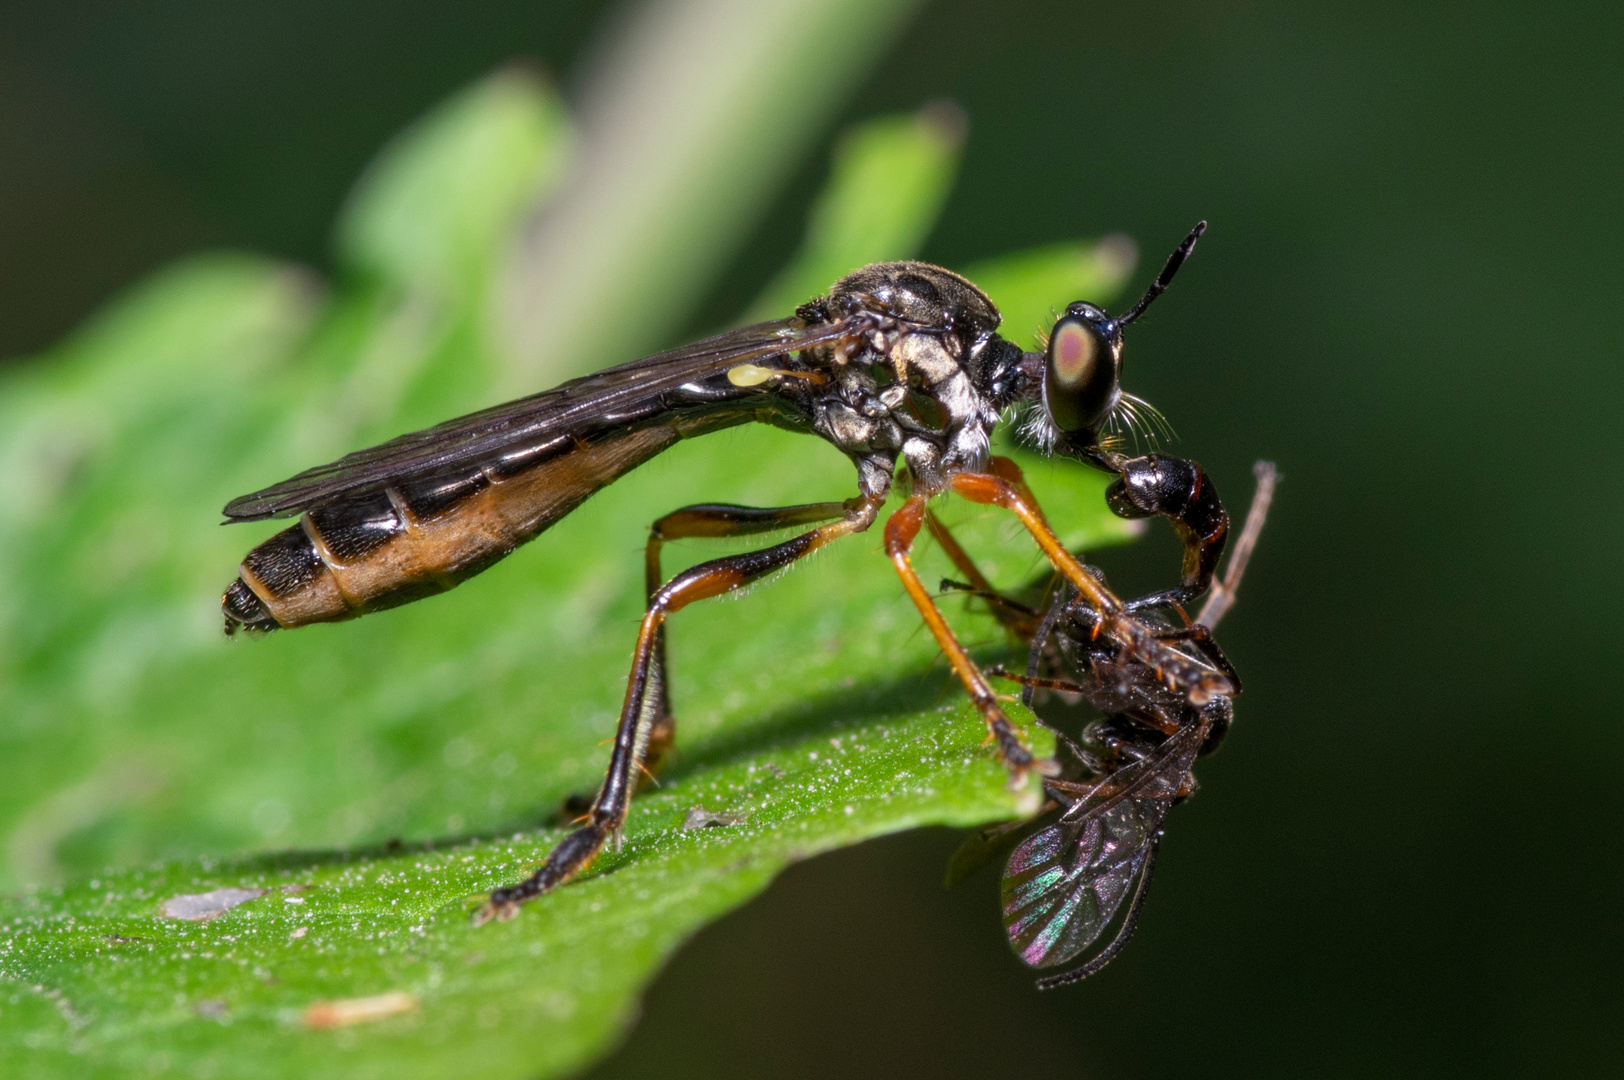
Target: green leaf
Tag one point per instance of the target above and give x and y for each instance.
(887, 185)
(427, 227)
(697, 114)
(131, 730)
(448, 190)
(120, 447)
(106, 451)
(1032, 287)
(95, 981)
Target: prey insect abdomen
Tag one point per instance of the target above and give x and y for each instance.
(417, 537)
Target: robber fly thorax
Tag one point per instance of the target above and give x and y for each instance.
(899, 362)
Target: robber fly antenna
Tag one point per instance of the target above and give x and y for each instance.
(1164, 279)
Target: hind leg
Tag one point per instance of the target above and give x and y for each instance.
(646, 708)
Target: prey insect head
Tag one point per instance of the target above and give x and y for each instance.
(1082, 372)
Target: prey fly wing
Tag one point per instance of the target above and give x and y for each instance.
(1065, 885)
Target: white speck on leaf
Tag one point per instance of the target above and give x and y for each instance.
(332, 1014)
(200, 907)
(700, 818)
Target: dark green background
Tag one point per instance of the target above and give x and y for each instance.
(1406, 857)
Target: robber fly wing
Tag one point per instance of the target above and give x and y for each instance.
(617, 397)
(1064, 885)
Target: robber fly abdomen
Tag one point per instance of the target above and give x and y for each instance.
(379, 550)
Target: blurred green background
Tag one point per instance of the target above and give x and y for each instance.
(1405, 859)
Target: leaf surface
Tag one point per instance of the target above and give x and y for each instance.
(373, 776)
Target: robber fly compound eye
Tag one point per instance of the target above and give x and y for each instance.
(1083, 367)
(1082, 372)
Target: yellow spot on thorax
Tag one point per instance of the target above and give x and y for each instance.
(750, 375)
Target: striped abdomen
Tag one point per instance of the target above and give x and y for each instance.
(418, 537)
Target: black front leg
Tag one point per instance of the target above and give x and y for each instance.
(1159, 486)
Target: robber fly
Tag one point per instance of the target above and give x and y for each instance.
(1071, 882)
(899, 361)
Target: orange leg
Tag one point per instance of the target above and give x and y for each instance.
(1017, 618)
(900, 530)
(960, 558)
(1005, 487)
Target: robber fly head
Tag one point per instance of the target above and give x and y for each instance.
(1082, 371)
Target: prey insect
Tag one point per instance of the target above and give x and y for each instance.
(900, 362)
(1069, 885)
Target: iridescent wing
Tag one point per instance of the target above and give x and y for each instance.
(1065, 885)
(606, 401)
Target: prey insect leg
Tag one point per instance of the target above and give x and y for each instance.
(1223, 590)
(1027, 624)
(638, 717)
(1015, 617)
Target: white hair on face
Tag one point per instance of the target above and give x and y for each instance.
(1142, 421)
(1034, 428)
